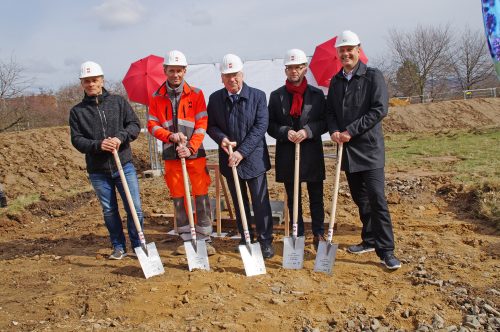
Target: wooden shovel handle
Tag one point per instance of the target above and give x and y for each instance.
(238, 194)
(127, 192)
(335, 192)
(296, 186)
(187, 195)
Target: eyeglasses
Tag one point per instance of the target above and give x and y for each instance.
(295, 67)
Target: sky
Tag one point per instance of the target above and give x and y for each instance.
(51, 38)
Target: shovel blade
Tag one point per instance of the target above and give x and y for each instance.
(293, 252)
(252, 259)
(150, 260)
(325, 258)
(197, 257)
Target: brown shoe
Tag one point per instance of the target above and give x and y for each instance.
(181, 250)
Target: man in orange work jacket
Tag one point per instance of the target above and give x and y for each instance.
(178, 117)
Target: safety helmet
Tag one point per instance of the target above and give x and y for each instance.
(90, 69)
(347, 38)
(295, 57)
(175, 58)
(231, 64)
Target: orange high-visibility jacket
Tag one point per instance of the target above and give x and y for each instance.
(191, 120)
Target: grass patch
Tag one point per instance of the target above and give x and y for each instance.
(474, 156)
(19, 204)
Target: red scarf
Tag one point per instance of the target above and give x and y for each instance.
(298, 97)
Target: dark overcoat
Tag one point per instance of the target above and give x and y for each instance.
(313, 120)
(359, 106)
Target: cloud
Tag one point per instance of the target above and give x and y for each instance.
(114, 14)
(199, 18)
(39, 66)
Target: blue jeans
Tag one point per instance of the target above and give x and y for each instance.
(104, 186)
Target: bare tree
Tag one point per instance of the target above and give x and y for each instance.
(471, 61)
(427, 49)
(12, 84)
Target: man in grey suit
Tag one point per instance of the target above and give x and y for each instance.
(356, 104)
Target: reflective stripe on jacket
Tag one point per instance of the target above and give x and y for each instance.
(192, 120)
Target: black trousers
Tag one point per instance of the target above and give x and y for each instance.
(315, 192)
(260, 203)
(367, 190)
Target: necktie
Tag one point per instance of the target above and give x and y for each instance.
(234, 98)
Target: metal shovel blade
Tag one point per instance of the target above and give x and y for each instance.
(325, 258)
(197, 257)
(252, 259)
(151, 262)
(293, 253)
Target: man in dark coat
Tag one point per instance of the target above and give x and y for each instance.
(100, 124)
(238, 116)
(297, 116)
(356, 104)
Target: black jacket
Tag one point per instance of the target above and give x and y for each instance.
(359, 106)
(313, 120)
(95, 118)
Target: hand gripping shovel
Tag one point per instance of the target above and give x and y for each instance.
(147, 253)
(325, 258)
(250, 252)
(196, 250)
(293, 249)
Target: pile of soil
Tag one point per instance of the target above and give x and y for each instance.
(55, 274)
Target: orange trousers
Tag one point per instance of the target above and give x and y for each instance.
(198, 176)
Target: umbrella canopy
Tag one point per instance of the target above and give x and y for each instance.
(325, 62)
(143, 78)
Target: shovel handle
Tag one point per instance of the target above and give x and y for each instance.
(335, 193)
(129, 197)
(240, 198)
(187, 196)
(296, 188)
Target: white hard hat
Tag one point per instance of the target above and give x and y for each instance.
(295, 57)
(175, 58)
(90, 69)
(347, 38)
(231, 64)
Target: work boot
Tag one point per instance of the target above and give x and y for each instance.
(210, 249)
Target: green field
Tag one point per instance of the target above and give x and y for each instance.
(472, 156)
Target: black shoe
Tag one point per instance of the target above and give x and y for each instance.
(317, 239)
(3, 201)
(391, 262)
(267, 250)
(360, 248)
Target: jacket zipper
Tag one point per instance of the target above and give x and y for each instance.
(103, 123)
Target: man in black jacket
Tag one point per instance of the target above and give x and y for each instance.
(297, 116)
(100, 124)
(356, 104)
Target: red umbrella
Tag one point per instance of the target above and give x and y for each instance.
(325, 62)
(143, 78)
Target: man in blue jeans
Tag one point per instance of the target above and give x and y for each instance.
(100, 124)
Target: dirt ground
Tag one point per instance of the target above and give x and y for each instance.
(55, 274)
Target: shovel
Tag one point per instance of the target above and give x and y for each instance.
(325, 257)
(147, 253)
(250, 252)
(293, 249)
(196, 250)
